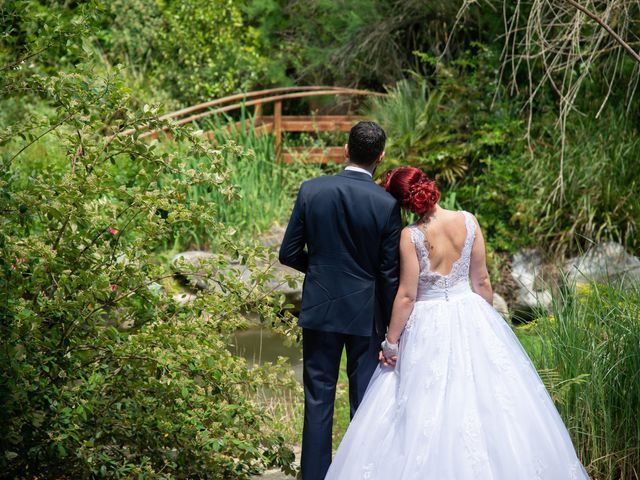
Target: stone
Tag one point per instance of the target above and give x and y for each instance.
(273, 237)
(279, 283)
(526, 269)
(501, 306)
(192, 268)
(189, 266)
(603, 262)
(274, 475)
(184, 298)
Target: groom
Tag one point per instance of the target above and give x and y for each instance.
(350, 227)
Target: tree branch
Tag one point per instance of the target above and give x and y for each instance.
(600, 22)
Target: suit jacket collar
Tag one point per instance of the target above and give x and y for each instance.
(355, 175)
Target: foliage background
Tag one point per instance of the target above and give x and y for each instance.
(92, 335)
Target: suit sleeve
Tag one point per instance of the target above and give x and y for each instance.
(388, 275)
(292, 250)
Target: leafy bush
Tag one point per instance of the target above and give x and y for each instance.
(194, 50)
(362, 42)
(103, 374)
(460, 127)
(178, 52)
(450, 126)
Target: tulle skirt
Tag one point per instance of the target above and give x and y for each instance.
(464, 402)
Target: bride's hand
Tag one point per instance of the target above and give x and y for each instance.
(389, 353)
(387, 362)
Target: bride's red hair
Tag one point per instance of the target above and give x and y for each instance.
(413, 189)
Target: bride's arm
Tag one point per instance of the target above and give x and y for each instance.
(408, 288)
(480, 282)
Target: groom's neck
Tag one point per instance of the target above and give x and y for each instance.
(369, 168)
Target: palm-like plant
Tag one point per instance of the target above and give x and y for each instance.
(420, 129)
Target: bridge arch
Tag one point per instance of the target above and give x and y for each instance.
(276, 123)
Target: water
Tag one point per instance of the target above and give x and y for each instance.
(259, 345)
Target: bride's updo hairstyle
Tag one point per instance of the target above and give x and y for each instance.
(413, 189)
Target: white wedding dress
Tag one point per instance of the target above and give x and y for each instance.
(464, 401)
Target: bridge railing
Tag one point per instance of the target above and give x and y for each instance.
(276, 123)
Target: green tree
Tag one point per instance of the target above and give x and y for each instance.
(103, 373)
(365, 43)
(194, 50)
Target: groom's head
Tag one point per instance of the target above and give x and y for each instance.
(366, 145)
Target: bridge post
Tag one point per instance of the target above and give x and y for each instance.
(258, 114)
(277, 127)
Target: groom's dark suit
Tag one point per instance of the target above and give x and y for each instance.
(350, 227)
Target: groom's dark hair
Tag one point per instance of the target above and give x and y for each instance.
(366, 143)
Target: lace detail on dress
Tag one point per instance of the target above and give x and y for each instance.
(474, 445)
(460, 268)
(368, 471)
(576, 471)
(410, 322)
(540, 468)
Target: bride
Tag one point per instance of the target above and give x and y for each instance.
(455, 396)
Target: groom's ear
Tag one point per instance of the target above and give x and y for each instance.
(346, 152)
(380, 158)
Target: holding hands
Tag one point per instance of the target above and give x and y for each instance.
(389, 354)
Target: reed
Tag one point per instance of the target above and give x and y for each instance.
(593, 333)
(589, 194)
(264, 188)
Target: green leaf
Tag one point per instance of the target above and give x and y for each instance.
(10, 455)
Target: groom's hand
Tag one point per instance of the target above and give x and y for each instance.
(387, 362)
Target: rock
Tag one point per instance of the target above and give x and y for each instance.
(197, 268)
(189, 267)
(274, 475)
(184, 298)
(603, 262)
(526, 270)
(192, 268)
(273, 237)
(500, 305)
(292, 293)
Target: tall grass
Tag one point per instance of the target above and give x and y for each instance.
(264, 189)
(595, 333)
(596, 198)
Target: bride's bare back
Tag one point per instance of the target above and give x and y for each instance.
(445, 233)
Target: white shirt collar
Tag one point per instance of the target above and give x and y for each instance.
(353, 168)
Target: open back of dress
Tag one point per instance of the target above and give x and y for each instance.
(443, 243)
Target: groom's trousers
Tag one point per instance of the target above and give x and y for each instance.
(321, 356)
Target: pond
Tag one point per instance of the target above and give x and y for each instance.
(259, 345)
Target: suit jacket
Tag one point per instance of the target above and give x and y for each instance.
(350, 227)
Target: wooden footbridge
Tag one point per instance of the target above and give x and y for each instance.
(276, 123)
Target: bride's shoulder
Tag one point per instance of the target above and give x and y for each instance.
(408, 235)
(406, 231)
(458, 213)
(408, 240)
